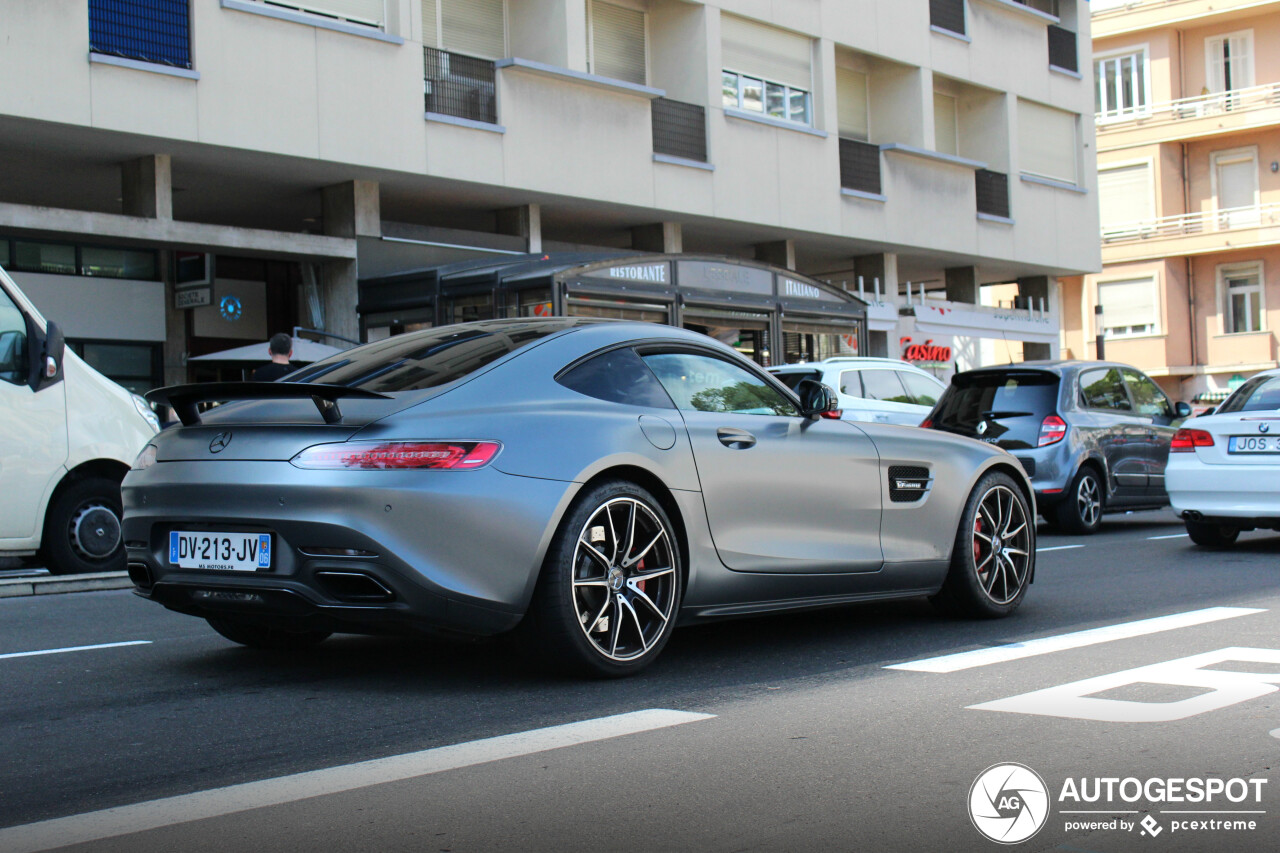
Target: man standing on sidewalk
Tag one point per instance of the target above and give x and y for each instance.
(281, 350)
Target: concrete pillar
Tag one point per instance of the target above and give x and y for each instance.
(1036, 291)
(665, 237)
(147, 187)
(339, 293)
(352, 209)
(524, 221)
(962, 285)
(872, 267)
(780, 253)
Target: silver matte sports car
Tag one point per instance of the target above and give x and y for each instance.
(590, 482)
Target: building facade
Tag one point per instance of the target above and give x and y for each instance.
(183, 176)
(1187, 104)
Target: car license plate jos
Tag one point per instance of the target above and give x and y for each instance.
(1253, 444)
(231, 552)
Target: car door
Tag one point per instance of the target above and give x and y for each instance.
(1152, 406)
(33, 429)
(1120, 436)
(783, 493)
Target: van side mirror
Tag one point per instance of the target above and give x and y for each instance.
(47, 350)
(1182, 410)
(818, 400)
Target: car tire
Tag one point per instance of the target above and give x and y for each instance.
(610, 588)
(1208, 534)
(82, 528)
(266, 637)
(1081, 508)
(994, 555)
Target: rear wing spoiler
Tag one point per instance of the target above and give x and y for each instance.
(185, 399)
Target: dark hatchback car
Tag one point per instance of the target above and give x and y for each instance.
(1093, 436)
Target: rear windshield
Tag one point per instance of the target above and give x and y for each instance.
(1259, 394)
(428, 358)
(997, 397)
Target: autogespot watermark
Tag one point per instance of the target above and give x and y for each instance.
(1009, 803)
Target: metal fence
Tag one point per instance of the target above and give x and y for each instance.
(460, 86)
(156, 31)
(860, 166)
(947, 15)
(679, 129)
(1062, 49)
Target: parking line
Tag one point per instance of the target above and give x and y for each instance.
(126, 820)
(1170, 536)
(75, 649)
(1074, 640)
(1057, 548)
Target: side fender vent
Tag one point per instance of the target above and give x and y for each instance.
(907, 483)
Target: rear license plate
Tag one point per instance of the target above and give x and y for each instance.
(1253, 444)
(226, 552)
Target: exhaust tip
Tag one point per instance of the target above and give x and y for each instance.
(354, 586)
(1191, 515)
(140, 574)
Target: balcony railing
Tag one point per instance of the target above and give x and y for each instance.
(158, 31)
(460, 86)
(947, 15)
(679, 130)
(1201, 106)
(993, 193)
(1188, 224)
(1062, 49)
(860, 166)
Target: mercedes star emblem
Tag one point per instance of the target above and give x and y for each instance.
(220, 442)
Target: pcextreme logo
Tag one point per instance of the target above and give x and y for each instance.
(1008, 803)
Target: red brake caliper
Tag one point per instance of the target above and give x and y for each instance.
(977, 528)
(640, 567)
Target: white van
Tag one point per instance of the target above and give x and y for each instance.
(68, 435)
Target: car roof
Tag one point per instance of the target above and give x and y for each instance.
(846, 362)
(1061, 367)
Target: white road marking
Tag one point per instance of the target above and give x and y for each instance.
(75, 649)
(126, 820)
(1170, 536)
(1057, 548)
(1074, 640)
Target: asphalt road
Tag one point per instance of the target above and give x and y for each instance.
(793, 734)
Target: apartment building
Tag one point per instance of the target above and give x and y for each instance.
(1187, 101)
(185, 176)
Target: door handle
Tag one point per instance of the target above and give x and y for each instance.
(738, 439)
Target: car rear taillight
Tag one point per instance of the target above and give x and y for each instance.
(397, 455)
(1052, 430)
(927, 423)
(1187, 440)
(833, 415)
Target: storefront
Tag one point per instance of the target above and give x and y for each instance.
(770, 315)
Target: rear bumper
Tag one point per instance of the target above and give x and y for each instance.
(353, 551)
(1224, 491)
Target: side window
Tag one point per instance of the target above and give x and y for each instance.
(618, 376)
(791, 378)
(884, 385)
(1104, 389)
(703, 383)
(851, 383)
(1148, 399)
(922, 389)
(13, 342)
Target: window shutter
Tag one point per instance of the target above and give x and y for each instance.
(762, 51)
(1241, 61)
(1047, 142)
(474, 27)
(1128, 303)
(946, 138)
(430, 26)
(851, 104)
(1126, 194)
(618, 48)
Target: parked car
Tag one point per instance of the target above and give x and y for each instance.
(881, 390)
(1093, 436)
(593, 481)
(67, 436)
(1224, 469)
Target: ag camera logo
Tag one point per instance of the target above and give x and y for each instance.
(1008, 803)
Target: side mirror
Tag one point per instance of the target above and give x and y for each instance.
(818, 400)
(1182, 410)
(47, 353)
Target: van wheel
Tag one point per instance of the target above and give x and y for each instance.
(1208, 534)
(82, 529)
(1081, 507)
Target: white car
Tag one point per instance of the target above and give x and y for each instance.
(1223, 474)
(882, 390)
(68, 435)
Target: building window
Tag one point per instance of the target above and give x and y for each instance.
(1130, 307)
(1241, 289)
(135, 366)
(1121, 84)
(947, 15)
(1229, 61)
(853, 104)
(679, 129)
(156, 31)
(1127, 197)
(471, 27)
(946, 133)
(766, 70)
(616, 44)
(70, 259)
(55, 258)
(1048, 145)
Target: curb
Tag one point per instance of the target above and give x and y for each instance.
(53, 585)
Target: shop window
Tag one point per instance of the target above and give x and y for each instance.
(616, 42)
(55, 258)
(119, 263)
(1241, 289)
(766, 70)
(1121, 84)
(618, 310)
(1129, 308)
(465, 309)
(134, 366)
(156, 31)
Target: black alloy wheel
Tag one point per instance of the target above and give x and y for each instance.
(993, 558)
(1081, 508)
